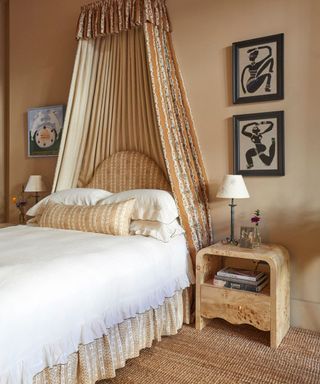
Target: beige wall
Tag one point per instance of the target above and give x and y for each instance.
(3, 77)
(42, 49)
(203, 33)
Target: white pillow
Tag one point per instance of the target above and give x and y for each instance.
(151, 204)
(160, 231)
(73, 196)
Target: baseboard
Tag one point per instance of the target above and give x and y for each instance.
(305, 314)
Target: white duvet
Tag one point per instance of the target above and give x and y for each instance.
(60, 288)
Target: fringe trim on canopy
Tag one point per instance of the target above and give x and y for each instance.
(113, 16)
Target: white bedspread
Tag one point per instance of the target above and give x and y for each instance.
(61, 288)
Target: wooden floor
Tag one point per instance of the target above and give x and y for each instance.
(222, 353)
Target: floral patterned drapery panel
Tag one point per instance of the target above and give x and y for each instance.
(179, 142)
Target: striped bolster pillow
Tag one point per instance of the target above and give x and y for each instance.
(111, 219)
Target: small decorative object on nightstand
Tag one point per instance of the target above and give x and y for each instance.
(255, 219)
(35, 184)
(232, 187)
(246, 237)
(268, 310)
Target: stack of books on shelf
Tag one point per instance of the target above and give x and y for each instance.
(237, 278)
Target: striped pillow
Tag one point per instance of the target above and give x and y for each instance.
(111, 219)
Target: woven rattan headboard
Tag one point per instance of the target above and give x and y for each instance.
(128, 170)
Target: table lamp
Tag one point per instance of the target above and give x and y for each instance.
(35, 184)
(232, 187)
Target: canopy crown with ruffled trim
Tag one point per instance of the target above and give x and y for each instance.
(113, 16)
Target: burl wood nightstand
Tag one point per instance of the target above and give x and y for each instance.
(268, 310)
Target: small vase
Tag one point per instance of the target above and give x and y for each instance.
(256, 237)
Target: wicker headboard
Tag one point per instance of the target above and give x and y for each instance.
(128, 170)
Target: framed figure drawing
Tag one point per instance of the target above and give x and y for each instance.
(259, 144)
(258, 69)
(44, 130)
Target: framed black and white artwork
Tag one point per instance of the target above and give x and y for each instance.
(259, 144)
(258, 69)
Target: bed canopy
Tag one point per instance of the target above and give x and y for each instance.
(127, 94)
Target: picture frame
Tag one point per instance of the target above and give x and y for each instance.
(45, 126)
(258, 144)
(258, 69)
(246, 237)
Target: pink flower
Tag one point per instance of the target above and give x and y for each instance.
(256, 218)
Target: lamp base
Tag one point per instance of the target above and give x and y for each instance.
(36, 197)
(230, 241)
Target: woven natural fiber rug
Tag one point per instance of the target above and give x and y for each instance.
(222, 353)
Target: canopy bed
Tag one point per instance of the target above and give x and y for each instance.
(76, 305)
(89, 301)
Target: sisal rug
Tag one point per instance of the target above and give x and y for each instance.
(226, 354)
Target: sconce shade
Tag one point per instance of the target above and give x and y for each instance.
(35, 184)
(233, 187)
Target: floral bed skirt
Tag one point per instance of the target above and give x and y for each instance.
(100, 359)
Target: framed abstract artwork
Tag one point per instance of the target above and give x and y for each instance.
(44, 130)
(259, 144)
(258, 69)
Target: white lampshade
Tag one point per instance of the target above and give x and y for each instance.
(35, 184)
(233, 187)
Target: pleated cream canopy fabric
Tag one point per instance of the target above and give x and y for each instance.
(127, 94)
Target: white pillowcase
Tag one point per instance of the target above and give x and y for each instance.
(73, 196)
(160, 231)
(151, 204)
